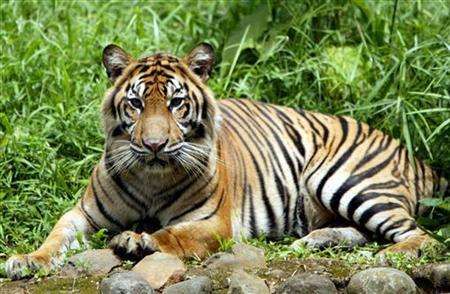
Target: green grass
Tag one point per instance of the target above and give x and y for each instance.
(344, 57)
(359, 256)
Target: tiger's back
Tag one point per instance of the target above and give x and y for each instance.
(304, 169)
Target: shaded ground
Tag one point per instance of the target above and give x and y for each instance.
(277, 271)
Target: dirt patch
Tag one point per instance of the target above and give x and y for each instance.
(55, 284)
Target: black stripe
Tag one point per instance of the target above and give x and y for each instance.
(340, 162)
(377, 230)
(262, 110)
(324, 128)
(395, 225)
(253, 225)
(269, 208)
(411, 227)
(102, 209)
(89, 218)
(359, 199)
(368, 157)
(300, 211)
(131, 205)
(354, 180)
(97, 179)
(196, 205)
(319, 167)
(246, 128)
(284, 151)
(177, 192)
(294, 134)
(282, 193)
(416, 185)
(376, 208)
(205, 104)
(122, 186)
(217, 207)
(303, 114)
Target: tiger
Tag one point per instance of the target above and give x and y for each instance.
(199, 170)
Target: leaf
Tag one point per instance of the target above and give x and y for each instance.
(256, 23)
(431, 202)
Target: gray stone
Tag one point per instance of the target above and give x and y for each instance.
(125, 283)
(381, 280)
(277, 273)
(160, 269)
(244, 256)
(198, 285)
(222, 260)
(438, 274)
(249, 256)
(97, 262)
(244, 283)
(306, 283)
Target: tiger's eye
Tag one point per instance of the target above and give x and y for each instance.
(135, 102)
(175, 102)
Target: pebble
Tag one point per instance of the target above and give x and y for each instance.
(96, 262)
(305, 283)
(381, 280)
(125, 283)
(437, 273)
(198, 285)
(244, 283)
(243, 256)
(160, 269)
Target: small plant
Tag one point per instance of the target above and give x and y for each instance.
(127, 264)
(82, 264)
(99, 239)
(225, 244)
(2, 270)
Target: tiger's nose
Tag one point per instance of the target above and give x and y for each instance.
(155, 145)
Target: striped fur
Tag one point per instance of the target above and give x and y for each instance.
(230, 169)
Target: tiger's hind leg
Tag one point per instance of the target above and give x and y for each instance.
(388, 218)
(329, 237)
(411, 245)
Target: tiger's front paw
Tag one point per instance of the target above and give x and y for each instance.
(21, 266)
(133, 246)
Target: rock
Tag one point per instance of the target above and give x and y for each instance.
(438, 274)
(199, 285)
(277, 273)
(249, 256)
(160, 269)
(381, 280)
(307, 283)
(124, 283)
(221, 260)
(243, 256)
(244, 283)
(97, 262)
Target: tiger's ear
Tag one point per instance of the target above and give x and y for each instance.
(201, 60)
(115, 59)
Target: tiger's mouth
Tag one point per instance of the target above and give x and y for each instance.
(154, 162)
(160, 159)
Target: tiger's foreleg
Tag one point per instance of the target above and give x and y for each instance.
(51, 252)
(189, 239)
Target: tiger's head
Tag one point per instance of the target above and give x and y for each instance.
(159, 113)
